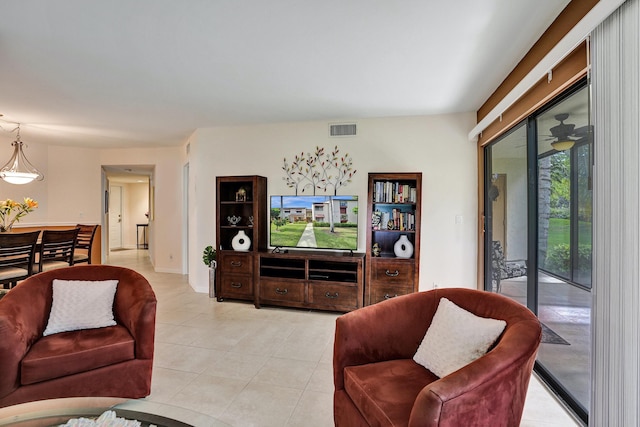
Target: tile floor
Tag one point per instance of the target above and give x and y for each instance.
(246, 367)
(566, 309)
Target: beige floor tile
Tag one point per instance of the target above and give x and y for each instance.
(322, 379)
(165, 383)
(285, 372)
(313, 410)
(541, 409)
(262, 405)
(183, 358)
(236, 365)
(209, 395)
(255, 367)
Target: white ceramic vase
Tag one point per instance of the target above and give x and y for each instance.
(241, 242)
(403, 248)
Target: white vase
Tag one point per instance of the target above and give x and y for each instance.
(403, 248)
(241, 242)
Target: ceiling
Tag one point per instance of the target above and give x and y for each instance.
(124, 73)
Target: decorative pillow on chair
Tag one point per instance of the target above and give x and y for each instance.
(456, 338)
(81, 304)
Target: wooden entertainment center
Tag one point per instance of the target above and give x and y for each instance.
(322, 280)
(311, 280)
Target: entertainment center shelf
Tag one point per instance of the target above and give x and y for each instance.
(393, 222)
(311, 280)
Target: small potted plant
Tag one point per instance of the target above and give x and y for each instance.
(209, 259)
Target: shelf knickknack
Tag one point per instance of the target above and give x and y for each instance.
(319, 171)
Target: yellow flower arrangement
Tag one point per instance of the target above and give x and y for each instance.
(11, 211)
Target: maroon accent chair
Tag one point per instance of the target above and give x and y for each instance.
(378, 383)
(114, 361)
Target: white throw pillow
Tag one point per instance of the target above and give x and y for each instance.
(456, 338)
(81, 304)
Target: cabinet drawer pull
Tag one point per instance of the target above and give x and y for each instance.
(282, 291)
(236, 263)
(390, 274)
(387, 296)
(236, 285)
(331, 295)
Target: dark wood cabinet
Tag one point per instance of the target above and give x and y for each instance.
(241, 220)
(393, 210)
(311, 280)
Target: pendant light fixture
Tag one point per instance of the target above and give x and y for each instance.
(18, 170)
(562, 144)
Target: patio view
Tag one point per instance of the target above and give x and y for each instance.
(539, 235)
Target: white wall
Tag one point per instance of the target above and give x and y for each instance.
(515, 170)
(72, 191)
(437, 146)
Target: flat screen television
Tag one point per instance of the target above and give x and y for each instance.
(314, 222)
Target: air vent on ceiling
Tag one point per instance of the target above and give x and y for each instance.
(342, 129)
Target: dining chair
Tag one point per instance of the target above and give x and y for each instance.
(84, 243)
(17, 255)
(57, 248)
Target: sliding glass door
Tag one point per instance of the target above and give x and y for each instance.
(506, 215)
(538, 219)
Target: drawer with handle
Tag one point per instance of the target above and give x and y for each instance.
(330, 295)
(392, 271)
(281, 290)
(239, 285)
(383, 293)
(237, 263)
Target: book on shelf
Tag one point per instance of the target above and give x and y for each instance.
(395, 219)
(393, 192)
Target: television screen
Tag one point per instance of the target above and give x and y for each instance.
(314, 222)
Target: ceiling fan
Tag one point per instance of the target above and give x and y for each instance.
(566, 134)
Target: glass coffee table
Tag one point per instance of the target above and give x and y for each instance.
(55, 412)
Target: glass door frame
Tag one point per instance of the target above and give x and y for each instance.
(532, 290)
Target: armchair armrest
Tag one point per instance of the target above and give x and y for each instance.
(388, 330)
(24, 312)
(492, 386)
(134, 307)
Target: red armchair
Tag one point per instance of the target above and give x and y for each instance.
(378, 383)
(113, 361)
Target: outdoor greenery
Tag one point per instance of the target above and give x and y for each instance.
(341, 237)
(560, 229)
(284, 233)
(558, 236)
(560, 200)
(558, 259)
(558, 254)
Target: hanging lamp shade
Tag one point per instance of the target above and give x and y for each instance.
(18, 170)
(562, 144)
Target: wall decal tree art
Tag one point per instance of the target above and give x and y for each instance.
(319, 171)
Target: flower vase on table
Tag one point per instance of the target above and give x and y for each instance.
(11, 212)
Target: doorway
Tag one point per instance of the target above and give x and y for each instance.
(128, 208)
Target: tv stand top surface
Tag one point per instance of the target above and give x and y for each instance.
(294, 253)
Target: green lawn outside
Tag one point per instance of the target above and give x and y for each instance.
(559, 232)
(342, 237)
(288, 235)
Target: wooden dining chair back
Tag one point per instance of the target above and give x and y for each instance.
(57, 248)
(84, 243)
(17, 256)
